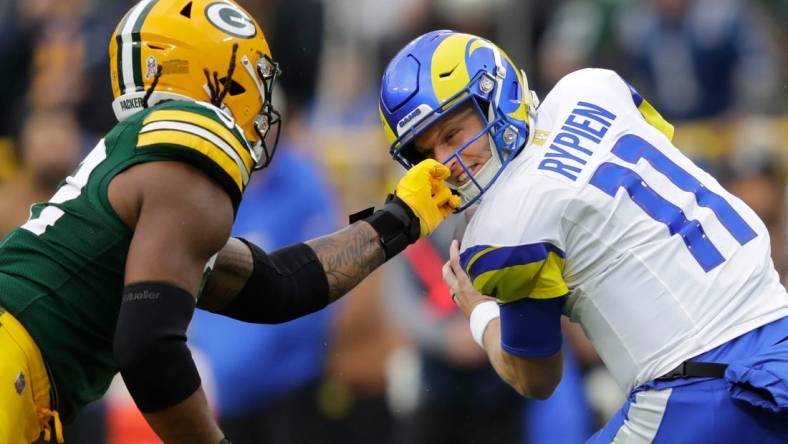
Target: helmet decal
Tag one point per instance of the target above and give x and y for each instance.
(231, 20)
(449, 70)
(151, 67)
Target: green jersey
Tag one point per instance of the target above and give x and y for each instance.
(61, 273)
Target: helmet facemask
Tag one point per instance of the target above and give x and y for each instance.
(266, 124)
(503, 137)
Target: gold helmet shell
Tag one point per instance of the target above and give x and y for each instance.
(179, 49)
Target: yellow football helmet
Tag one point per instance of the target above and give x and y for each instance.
(205, 50)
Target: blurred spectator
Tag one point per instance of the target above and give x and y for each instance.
(755, 172)
(57, 71)
(15, 48)
(97, 25)
(702, 58)
(362, 342)
(49, 146)
(581, 33)
(344, 125)
(298, 53)
(456, 396)
(691, 58)
(58, 49)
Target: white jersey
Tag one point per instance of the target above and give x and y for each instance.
(660, 262)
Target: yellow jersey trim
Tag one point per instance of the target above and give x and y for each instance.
(209, 124)
(197, 143)
(655, 119)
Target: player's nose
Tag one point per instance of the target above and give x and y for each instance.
(455, 168)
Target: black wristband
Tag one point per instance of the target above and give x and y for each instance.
(396, 225)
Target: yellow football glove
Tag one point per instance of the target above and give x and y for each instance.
(423, 189)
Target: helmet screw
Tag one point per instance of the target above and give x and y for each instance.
(486, 84)
(262, 124)
(509, 135)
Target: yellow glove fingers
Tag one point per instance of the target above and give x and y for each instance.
(438, 171)
(423, 189)
(438, 176)
(450, 205)
(442, 197)
(436, 187)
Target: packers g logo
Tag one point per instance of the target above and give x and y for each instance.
(230, 19)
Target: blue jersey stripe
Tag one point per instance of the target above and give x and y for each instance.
(636, 97)
(468, 254)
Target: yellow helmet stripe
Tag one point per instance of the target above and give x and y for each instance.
(211, 125)
(390, 136)
(130, 70)
(448, 70)
(197, 143)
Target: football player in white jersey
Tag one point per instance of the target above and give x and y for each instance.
(585, 208)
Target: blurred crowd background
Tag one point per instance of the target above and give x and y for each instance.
(394, 362)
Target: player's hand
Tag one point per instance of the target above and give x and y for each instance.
(462, 291)
(423, 189)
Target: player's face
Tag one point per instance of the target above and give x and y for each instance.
(447, 135)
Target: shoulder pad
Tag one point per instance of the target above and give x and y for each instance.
(207, 131)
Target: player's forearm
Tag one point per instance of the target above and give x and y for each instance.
(189, 422)
(348, 256)
(251, 285)
(498, 359)
(530, 377)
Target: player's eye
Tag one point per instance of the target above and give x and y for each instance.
(415, 154)
(451, 135)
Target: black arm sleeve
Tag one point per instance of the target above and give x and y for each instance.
(285, 285)
(150, 345)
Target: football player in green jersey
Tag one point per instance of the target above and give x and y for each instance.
(105, 276)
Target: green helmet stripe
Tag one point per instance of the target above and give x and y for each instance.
(137, 48)
(129, 69)
(119, 56)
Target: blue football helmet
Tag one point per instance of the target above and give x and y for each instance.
(440, 71)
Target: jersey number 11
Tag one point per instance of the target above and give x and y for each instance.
(609, 177)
